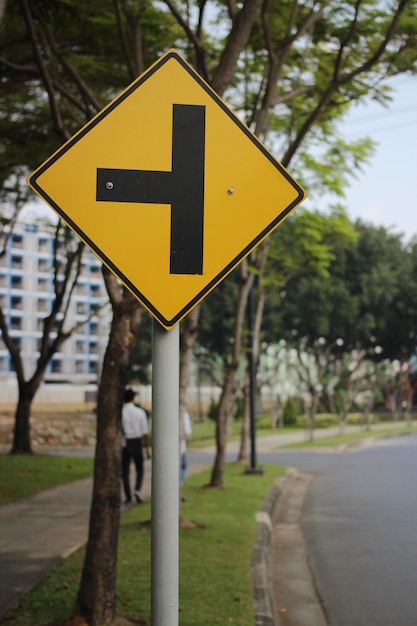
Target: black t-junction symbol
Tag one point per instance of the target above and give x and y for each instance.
(182, 188)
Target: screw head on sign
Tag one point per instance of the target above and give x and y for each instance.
(230, 191)
(109, 185)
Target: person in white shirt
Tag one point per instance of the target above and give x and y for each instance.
(135, 435)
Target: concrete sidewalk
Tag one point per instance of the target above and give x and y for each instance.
(284, 591)
(40, 531)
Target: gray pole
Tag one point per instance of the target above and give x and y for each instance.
(165, 476)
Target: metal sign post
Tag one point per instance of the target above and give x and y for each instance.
(165, 476)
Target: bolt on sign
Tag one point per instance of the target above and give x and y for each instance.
(168, 187)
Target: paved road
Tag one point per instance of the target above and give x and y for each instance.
(360, 526)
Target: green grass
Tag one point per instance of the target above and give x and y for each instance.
(23, 476)
(215, 558)
(352, 438)
(204, 432)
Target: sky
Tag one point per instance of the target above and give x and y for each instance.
(385, 192)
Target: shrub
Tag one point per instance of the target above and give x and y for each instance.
(322, 420)
(263, 421)
(239, 408)
(291, 411)
(212, 410)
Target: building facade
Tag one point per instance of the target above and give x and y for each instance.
(26, 295)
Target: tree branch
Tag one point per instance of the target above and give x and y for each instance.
(46, 79)
(236, 42)
(201, 63)
(123, 38)
(277, 57)
(340, 80)
(114, 288)
(13, 350)
(79, 82)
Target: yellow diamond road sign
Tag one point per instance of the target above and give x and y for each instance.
(168, 187)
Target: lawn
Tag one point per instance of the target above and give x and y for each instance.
(352, 438)
(24, 475)
(215, 557)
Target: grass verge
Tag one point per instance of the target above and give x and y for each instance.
(215, 558)
(204, 433)
(353, 437)
(24, 475)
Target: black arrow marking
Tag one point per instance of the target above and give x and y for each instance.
(182, 188)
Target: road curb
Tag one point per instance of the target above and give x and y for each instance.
(261, 554)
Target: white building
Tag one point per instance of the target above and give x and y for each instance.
(26, 293)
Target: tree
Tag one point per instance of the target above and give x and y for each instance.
(142, 353)
(306, 67)
(348, 380)
(340, 320)
(96, 599)
(66, 267)
(380, 269)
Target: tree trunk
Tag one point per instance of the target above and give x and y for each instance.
(188, 335)
(2, 8)
(235, 44)
(244, 435)
(367, 413)
(222, 426)
(312, 416)
(342, 421)
(226, 397)
(369, 405)
(96, 600)
(21, 435)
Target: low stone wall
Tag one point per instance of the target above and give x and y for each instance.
(198, 397)
(62, 433)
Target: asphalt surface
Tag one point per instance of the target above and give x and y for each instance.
(360, 519)
(39, 532)
(360, 528)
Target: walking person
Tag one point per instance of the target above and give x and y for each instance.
(186, 435)
(135, 434)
